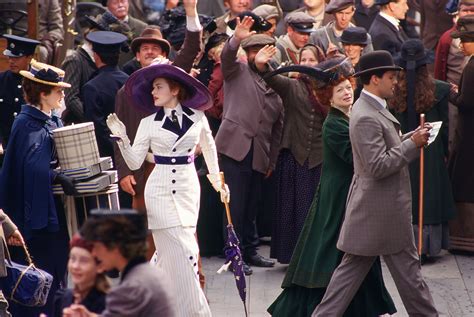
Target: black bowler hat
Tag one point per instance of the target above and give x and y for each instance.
(413, 55)
(259, 25)
(465, 29)
(338, 5)
(376, 61)
(19, 46)
(106, 41)
(354, 35)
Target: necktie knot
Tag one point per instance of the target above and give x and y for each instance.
(174, 119)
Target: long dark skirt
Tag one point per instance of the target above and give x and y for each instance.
(49, 251)
(296, 186)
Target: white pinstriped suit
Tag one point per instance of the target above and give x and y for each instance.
(172, 195)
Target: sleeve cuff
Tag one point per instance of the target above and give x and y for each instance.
(193, 24)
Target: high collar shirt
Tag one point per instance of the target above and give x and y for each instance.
(381, 101)
(179, 113)
(394, 21)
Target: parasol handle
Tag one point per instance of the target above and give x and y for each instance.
(226, 204)
(421, 197)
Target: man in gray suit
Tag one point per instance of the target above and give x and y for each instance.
(378, 209)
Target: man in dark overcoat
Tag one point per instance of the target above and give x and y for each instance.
(249, 136)
(386, 31)
(99, 92)
(19, 51)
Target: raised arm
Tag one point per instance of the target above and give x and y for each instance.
(192, 39)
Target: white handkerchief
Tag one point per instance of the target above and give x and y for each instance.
(434, 131)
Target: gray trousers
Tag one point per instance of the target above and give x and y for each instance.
(405, 269)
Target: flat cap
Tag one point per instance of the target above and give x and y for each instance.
(465, 29)
(257, 40)
(267, 11)
(300, 21)
(338, 5)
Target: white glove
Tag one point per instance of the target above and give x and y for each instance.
(117, 128)
(160, 60)
(223, 189)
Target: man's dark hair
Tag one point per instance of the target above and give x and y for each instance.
(126, 233)
(109, 59)
(365, 78)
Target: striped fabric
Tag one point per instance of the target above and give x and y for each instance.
(76, 146)
(177, 255)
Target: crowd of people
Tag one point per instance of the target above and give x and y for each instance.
(303, 116)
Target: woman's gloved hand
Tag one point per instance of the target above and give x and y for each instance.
(220, 187)
(117, 128)
(68, 184)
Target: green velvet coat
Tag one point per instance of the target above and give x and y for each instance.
(438, 202)
(316, 256)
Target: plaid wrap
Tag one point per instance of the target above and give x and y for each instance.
(76, 146)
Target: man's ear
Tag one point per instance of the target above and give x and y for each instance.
(226, 4)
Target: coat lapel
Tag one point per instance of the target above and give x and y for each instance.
(382, 110)
(187, 123)
(166, 123)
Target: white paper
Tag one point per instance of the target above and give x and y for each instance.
(436, 126)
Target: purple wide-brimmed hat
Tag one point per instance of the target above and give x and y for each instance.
(139, 85)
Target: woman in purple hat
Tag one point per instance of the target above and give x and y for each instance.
(172, 192)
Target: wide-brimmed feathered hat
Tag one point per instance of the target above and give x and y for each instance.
(330, 70)
(139, 85)
(45, 74)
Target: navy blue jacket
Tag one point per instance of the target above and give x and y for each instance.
(27, 174)
(385, 35)
(11, 99)
(99, 101)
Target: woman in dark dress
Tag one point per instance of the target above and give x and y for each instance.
(90, 285)
(28, 174)
(316, 256)
(429, 96)
(299, 163)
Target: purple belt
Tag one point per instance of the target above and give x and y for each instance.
(174, 160)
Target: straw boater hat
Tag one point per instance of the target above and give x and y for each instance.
(139, 85)
(45, 74)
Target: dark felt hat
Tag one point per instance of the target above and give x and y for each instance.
(465, 29)
(115, 226)
(354, 35)
(151, 34)
(300, 22)
(257, 40)
(214, 40)
(324, 73)
(259, 25)
(338, 5)
(139, 85)
(106, 41)
(413, 55)
(376, 61)
(18, 46)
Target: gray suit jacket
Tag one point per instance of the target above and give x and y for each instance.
(253, 114)
(143, 292)
(378, 210)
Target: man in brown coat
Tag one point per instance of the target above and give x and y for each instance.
(249, 136)
(378, 209)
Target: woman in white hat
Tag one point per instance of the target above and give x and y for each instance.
(28, 174)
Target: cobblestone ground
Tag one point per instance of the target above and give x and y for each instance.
(450, 278)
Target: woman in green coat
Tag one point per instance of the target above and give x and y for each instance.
(316, 256)
(419, 93)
